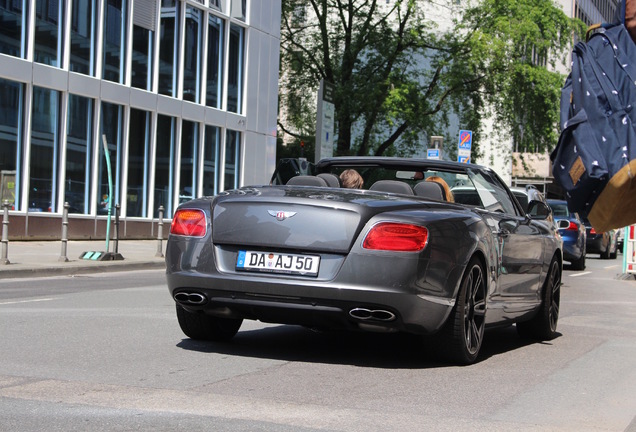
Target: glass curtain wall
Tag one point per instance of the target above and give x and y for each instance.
(11, 106)
(138, 145)
(168, 52)
(216, 42)
(166, 127)
(13, 17)
(114, 40)
(83, 37)
(112, 127)
(44, 150)
(188, 165)
(193, 33)
(78, 153)
(210, 157)
(235, 69)
(232, 159)
(49, 25)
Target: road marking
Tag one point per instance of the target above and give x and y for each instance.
(580, 274)
(25, 301)
(612, 266)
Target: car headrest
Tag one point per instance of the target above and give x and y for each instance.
(393, 186)
(306, 180)
(430, 189)
(331, 179)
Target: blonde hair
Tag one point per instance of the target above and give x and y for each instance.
(351, 179)
(447, 192)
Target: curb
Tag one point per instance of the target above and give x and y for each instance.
(77, 270)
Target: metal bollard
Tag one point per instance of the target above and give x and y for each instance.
(5, 234)
(117, 211)
(63, 256)
(160, 233)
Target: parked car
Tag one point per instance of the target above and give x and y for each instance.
(527, 194)
(619, 239)
(603, 243)
(573, 233)
(394, 258)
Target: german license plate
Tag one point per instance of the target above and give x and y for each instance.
(272, 262)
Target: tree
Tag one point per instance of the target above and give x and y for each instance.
(399, 77)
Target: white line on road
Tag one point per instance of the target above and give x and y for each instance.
(580, 274)
(612, 266)
(25, 301)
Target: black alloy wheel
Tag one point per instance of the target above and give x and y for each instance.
(464, 332)
(544, 324)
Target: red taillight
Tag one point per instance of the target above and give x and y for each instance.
(188, 222)
(572, 227)
(396, 237)
(592, 231)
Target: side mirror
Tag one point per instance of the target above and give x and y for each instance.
(538, 210)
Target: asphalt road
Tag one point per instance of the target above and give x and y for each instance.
(105, 353)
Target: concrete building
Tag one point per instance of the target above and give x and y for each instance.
(182, 93)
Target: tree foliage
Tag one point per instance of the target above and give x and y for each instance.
(400, 77)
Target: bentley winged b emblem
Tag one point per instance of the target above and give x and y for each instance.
(281, 215)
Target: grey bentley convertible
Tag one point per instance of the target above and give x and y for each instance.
(426, 247)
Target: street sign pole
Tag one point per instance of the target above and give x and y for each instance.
(110, 189)
(464, 146)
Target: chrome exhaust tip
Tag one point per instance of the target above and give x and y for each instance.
(372, 314)
(190, 298)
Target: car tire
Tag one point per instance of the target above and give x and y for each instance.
(543, 325)
(579, 264)
(200, 326)
(613, 255)
(606, 253)
(462, 336)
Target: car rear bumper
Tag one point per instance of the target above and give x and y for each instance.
(351, 308)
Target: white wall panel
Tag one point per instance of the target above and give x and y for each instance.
(50, 77)
(143, 100)
(252, 86)
(84, 85)
(16, 69)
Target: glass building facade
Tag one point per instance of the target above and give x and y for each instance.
(141, 102)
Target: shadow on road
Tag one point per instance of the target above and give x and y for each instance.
(391, 351)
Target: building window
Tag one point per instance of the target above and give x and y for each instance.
(188, 163)
(78, 153)
(44, 150)
(235, 69)
(216, 43)
(83, 36)
(47, 47)
(112, 128)
(232, 159)
(238, 9)
(210, 157)
(192, 54)
(13, 16)
(163, 164)
(114, 40)
(142, 58)
(11, 94)
(168, 53)
(138, 145)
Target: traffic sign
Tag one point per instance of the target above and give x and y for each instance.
(463, 159)
(465, 139)
(432, 153)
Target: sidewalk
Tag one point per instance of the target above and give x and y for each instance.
(42, 258)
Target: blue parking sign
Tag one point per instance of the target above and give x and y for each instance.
(465, 139)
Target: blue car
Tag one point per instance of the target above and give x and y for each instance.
(574, 233)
